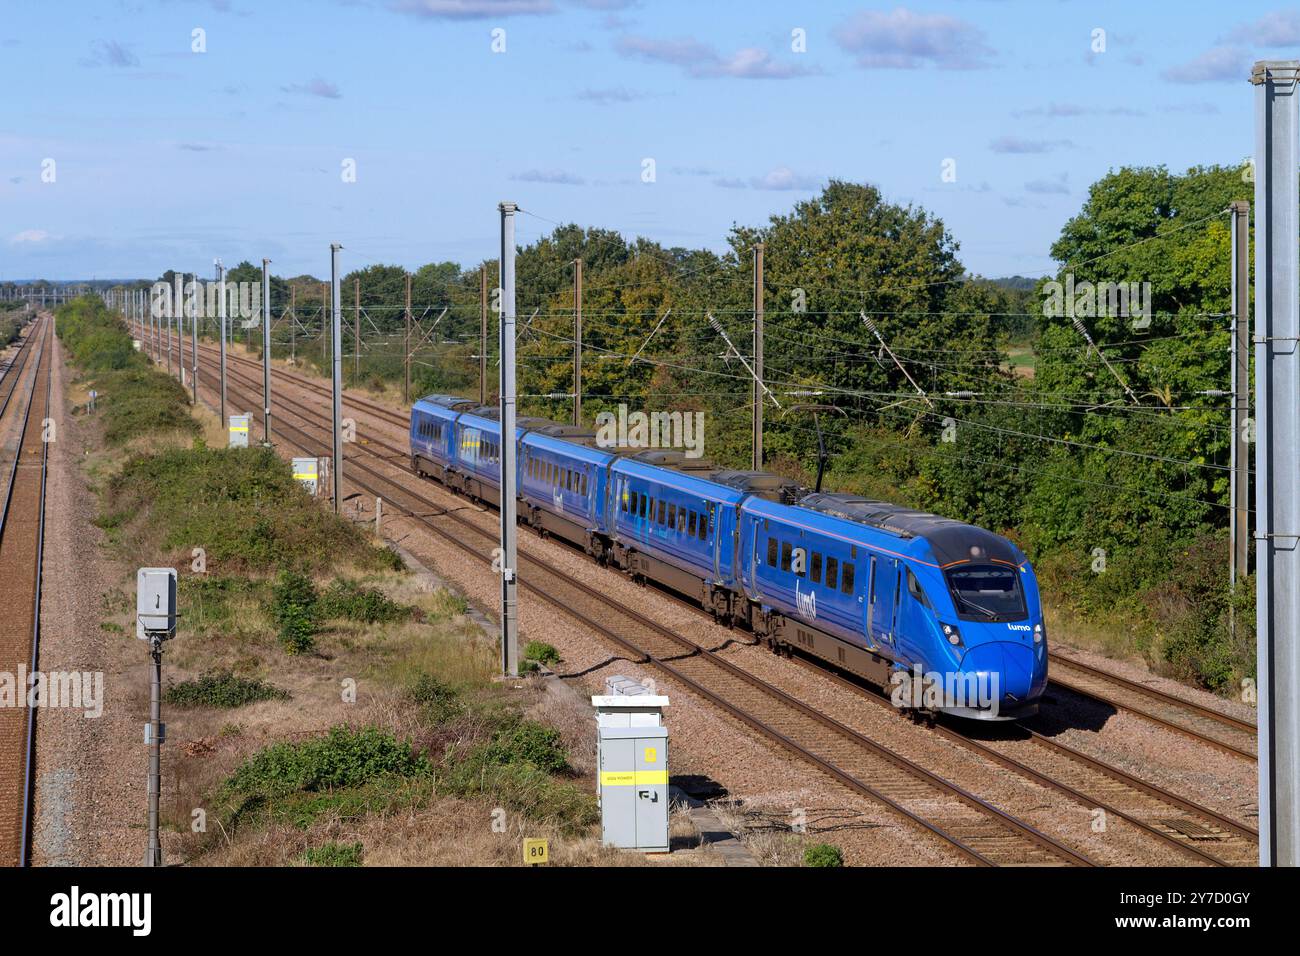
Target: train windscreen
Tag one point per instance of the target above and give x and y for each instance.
(987, 593)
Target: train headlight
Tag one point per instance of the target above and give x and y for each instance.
(1039, 633)
(953, 635)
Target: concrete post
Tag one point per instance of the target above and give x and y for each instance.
(1277, 456)
(509, 556)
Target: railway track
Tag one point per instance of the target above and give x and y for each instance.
(1218, 730)
(13, 373)
(1199, 833)
(22, 534)
(976, 829)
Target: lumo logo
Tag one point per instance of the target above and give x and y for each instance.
(805, 602)
(1085, 299)
(203, 300)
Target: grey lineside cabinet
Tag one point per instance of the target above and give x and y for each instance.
(632, 762)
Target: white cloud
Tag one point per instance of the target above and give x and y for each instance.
(1219, 63)
(472, 9)
(701, 60)
(780, 179)
(557, 177)
(30, 237)
(903, 40)
(1281, 28)
(317, 87)
(1014, 144)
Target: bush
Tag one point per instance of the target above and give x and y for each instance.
(541, 652)
(221, 689)
(440, 701)
(240, 505)
(293, 605)
(333, 854)
(349, 600)
(343, 758)
(823, 854)
(526, 741)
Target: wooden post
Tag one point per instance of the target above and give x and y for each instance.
(577, 341)
(757, 463)
(482, 335)
(293, 321)
(406, 343)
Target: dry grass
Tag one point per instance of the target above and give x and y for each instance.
(1078, 631)
(768, 845)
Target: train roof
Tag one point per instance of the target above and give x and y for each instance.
(672, 459)
(760, 484)
(451, 402)
(951, 541)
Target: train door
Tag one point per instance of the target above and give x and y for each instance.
(882, 598)
(713, 535)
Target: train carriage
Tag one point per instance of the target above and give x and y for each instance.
(433, 431)
(563, 485)
(673, 524)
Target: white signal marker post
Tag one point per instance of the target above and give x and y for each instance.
(509, 553)
(221, 316)
(336, 468)
(1277, 449)
(266, 352)
(199, 306)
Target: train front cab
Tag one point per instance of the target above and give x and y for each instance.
(968, 638)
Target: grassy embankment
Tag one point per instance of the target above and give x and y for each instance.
(322, 708)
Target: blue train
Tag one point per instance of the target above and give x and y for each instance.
(943, 615)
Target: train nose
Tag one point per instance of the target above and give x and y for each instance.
(1013, 665)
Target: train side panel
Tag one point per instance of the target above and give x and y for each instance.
(675, 527)
(563, 486)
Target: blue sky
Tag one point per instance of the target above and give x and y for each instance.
(164, 157)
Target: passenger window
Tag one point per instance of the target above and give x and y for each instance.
(681, 519)
(584, 486)
(832, 572)
(785, 555)
(645, 503)
(661, 512)
(672, 516)
(914, 588)
(690, 524)
(704, 527)
(815, 569)
(771, 552)
(846, 582)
